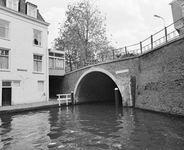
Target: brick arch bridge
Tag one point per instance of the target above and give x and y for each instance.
(97, 84)
(153, 80)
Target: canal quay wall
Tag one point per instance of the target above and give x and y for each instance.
(152, 81)
(161, 79)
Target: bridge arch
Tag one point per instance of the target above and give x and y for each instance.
(96, 84)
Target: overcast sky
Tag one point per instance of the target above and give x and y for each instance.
(129, 21)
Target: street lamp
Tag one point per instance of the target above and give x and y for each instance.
(161, 18)
(165, 28)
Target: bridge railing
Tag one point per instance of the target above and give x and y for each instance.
(158, 39)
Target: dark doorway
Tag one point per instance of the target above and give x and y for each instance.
(55, 84)
(6, 96)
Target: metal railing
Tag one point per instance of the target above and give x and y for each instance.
(160, 38)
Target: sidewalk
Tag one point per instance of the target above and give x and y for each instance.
(30, 106)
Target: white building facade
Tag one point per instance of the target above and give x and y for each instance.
(23, 54)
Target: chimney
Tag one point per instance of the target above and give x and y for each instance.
(3, 3)
(22, 6)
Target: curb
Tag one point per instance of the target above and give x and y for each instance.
(30, 108)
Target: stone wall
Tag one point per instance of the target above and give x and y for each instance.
(160, 84)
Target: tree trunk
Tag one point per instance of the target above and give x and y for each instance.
(70, 63)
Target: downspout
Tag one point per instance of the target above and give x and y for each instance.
(47, 75)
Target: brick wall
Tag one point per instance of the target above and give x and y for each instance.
(161, 79)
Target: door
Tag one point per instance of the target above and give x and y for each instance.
(6, 93)
(6, 96)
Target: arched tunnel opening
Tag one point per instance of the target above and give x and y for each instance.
(96, 87)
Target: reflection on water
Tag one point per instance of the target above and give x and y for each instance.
(24, 132)
(91, 127)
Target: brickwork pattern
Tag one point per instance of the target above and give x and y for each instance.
(161, 79)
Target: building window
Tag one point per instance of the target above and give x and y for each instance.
(37, 37)
(182, 8)
(13, 4)
(40, 86)
(4, 29)
(37, 63)
(31, 10)
(4, 59)
(16, 84)
(6, 83)
(56, 60)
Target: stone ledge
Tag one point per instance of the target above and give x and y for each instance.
(29, 107)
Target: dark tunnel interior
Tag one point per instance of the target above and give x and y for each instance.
(96, 87)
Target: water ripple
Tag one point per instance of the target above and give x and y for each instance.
(88, 127)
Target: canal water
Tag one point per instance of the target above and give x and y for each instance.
(91, 127)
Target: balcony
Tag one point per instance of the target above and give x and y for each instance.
(56, 63)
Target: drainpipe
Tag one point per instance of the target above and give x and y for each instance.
(72, 98)
(47, 76)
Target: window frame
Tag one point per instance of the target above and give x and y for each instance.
(37, 35)
(11, 83)
(13, 5)
(31, 11)
(182, 9)
(55, 58)
(6, 29)
(8, 61)
(37, 63)
(16, 83)
(42, 86)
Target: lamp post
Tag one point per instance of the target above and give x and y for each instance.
(161, 18)
(165, 28)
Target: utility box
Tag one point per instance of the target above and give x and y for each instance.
(177, 7)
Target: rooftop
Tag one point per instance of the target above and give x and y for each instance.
(22, 8)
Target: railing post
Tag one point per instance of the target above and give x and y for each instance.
(125, 49)
(72, 97)
(117, 97)
(151, 41)
(67, 99)
(59, 101)
(141, 47)
(166, 34)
